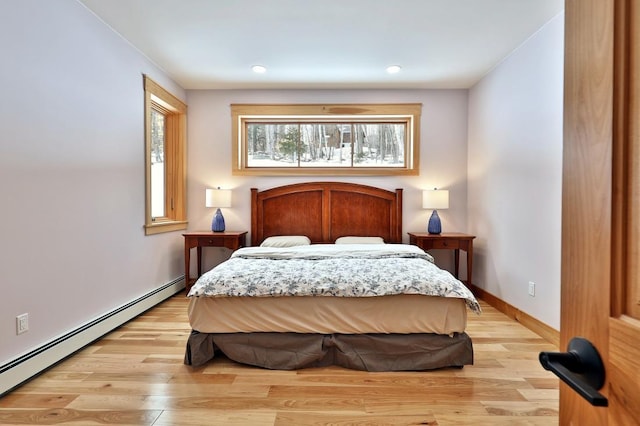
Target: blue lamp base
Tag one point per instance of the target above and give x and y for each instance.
(217, 224)
(434, 227)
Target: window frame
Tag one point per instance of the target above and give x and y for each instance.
(175, 111)
(323, 113)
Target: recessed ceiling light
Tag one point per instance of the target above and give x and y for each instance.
(259, 69)
(392, 69)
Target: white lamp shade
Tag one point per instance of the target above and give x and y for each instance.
(435, 199)
(218, 197)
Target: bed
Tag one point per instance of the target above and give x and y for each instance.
(327, 281)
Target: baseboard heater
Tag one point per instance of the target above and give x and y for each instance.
(35, 362)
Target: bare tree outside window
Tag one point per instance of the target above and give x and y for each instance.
(326, 145)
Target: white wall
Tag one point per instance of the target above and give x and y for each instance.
(443, 156)
(72, 173)
(515, 175)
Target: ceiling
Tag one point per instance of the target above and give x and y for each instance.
(212, 44)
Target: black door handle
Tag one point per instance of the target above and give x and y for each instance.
(580, 367)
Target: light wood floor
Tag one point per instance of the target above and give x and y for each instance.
(135, 376)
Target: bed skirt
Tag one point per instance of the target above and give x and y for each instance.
(369, 352)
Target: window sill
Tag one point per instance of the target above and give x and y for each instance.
(169, 226)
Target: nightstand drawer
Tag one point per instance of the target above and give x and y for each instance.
(210, 241)
(445, 244)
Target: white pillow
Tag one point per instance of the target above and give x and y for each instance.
(360, 240)
(286, 241)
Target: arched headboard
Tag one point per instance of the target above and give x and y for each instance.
(325, 211)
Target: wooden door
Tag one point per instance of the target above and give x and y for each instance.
(601, 203)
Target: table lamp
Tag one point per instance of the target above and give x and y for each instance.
(435, 199)
(218, 198)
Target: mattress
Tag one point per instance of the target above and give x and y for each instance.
(403, 314)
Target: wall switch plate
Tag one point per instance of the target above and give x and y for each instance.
(532, 289)
(22, 323)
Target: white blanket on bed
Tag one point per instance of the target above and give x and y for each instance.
(349, 270)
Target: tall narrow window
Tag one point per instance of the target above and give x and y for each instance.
(165, 139)
(158, 170)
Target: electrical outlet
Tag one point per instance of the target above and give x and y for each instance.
(532, 289)
(22, 323)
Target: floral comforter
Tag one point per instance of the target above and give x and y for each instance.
(349, 270)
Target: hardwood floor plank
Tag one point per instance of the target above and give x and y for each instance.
(59, 416)
(394, 406)
(298, 419)
(37, 400)
(431, 394)
(540, 394)
(509, 408)
(146, 377)
(448, 420)
(92, 402)
(215, 418)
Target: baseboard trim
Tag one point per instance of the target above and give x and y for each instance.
(548, 333)
(33, 363)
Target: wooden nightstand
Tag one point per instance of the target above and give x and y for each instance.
(449, 241)
(229, 239)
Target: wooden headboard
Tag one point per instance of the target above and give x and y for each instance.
(325, 211)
